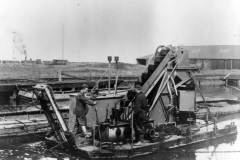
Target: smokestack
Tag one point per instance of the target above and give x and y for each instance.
(18, 44)
(25, 53)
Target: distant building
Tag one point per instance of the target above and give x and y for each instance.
(27, 61)
(47, 62)
(214, 56)
(11, 61)
(38, 61)
(59, 62)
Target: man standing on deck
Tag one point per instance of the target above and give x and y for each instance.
(140, 108)
(81, 109)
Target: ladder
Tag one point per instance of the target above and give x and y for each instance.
(50, 108)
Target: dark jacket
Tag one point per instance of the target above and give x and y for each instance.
(82, 103)
(140, 103)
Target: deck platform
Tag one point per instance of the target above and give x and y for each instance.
(122, 151)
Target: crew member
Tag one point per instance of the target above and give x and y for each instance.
(140, 108)
(81, 109)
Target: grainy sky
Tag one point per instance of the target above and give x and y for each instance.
(94, 29)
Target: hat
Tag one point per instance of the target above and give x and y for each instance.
(84, 86)
(138, 85)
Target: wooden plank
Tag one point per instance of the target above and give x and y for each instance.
(164, 81)
(18, 129)
(155, 82)
(160, 89)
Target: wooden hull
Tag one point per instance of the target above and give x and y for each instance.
(19, 139)
(174, 142)
(17, 132)
(12, 130)
(125, 151)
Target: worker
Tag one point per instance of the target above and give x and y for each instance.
(140, 109)
(81, 109)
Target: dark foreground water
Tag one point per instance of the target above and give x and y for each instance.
(222, 149)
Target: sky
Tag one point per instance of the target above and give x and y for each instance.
(91, 30)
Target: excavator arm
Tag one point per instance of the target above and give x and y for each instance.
(159, 84)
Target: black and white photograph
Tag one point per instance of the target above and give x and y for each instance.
(119, 79)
